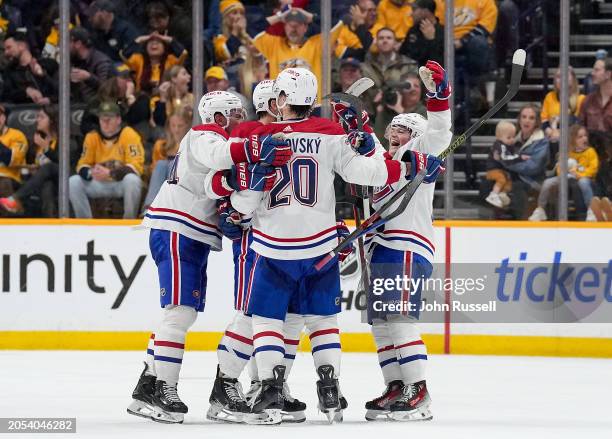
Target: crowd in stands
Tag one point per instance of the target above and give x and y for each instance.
(131, 79)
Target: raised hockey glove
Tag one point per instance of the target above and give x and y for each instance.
(347, 115)
(362, 143)
(418, 161)
(229, 220)
(270, 149)
(436, 81)
(255, 177)
(343, 232)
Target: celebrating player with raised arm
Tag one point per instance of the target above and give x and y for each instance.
(405, 248)
(293, 227)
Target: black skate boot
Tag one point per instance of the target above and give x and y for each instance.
(254, 390)
(329, 394)
(267, 404)
(169, 408)
(381, 406)
(293, 409)
(227, 403)
(413, 405)
(142, 396)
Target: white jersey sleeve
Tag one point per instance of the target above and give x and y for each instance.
(182, 204)
(413, 230)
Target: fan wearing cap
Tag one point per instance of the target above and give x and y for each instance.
(13, 149)
(113, 34)
(295, 44)
(233, 31)
(89, 66)
(111, 165)
(216, 79)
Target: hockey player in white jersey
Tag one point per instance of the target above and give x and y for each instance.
(293, 227)
(235, 349)
(405, 248)
(183, 223)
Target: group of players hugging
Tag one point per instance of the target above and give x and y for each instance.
(267, 185)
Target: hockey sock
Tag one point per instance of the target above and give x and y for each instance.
(236, 346)
(385, 349)
(149, 358)
(170, 342)
(291, 330)
(410, 350)
(324, 341)
(269, 345)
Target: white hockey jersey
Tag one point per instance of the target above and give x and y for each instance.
(296, 219)
(413, 230)
(182, 205)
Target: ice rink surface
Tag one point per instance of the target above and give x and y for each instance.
(473, 397)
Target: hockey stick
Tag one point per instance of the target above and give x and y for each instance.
(376, 220)
(351, 97)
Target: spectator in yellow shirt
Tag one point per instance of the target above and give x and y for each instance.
(357, 35)
(583, 164)
(475, 21)
(397, 15)
(551, 107)
(13, 149)
(294, 45)
(150, 56)
(111, 165)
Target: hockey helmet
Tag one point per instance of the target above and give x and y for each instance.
(224, 102)
(299, 86)
(416, 123)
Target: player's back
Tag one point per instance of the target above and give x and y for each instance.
(296, 219)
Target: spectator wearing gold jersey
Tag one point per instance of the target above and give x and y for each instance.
(43, 181)
(110, 166)
(13, 149)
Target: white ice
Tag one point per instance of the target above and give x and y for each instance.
(473, 397)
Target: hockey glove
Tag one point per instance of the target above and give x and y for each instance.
(362, 143)
(347, 116)
(343, 232)
(269, 149)
(254, 177)
(229, 220)
(436, 81)
(418, 161)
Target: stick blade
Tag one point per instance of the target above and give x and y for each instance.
(519, 57)
(361, 85)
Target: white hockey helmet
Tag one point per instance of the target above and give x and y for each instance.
(264, 91)
(416, 123)
(224, 102)
(299, 86)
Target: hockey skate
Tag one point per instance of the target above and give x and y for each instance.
(254, 390)
(227, 403)
(142, 396)
(293, 409)
(330, 401)
(167, 406)
(413, 404)
(267, 403)
(379, 408)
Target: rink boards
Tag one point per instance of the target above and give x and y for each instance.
(71, 284)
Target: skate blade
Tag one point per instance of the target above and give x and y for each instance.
(266, 417)
(165, 417)
(140, 408)
(420, 414)
(219, 414)
(378, 415)
(293, 417)
(333, 415)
